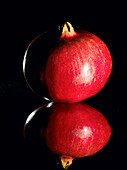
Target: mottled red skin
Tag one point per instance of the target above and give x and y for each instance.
(76, 130)
(77, 68)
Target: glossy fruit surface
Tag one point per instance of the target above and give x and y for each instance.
(78, 67)
(67, 67)
(76, 130)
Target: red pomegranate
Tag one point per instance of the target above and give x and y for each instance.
(75, 130)
(77, 68)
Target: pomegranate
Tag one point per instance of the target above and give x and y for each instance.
(75, 130)
(71, 67)
(78, 67)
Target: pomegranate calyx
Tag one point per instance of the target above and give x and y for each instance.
(68, 31)
(66, 161)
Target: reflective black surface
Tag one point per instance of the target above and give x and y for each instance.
(20, 24)
(35, 59)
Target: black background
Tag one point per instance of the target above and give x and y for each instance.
(20, 23)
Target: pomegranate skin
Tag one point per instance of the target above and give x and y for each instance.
(76, 130)
(77, 68)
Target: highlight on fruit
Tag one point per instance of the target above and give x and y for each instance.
(72, 65)
(70, 131)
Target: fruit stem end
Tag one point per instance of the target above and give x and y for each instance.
(66, 161)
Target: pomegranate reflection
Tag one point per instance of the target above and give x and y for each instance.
(73, 130)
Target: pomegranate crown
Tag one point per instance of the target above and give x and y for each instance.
(68, 31)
